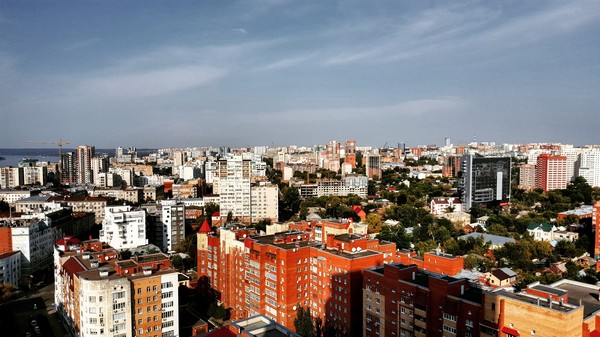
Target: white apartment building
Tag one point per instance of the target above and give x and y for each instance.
(127, 175)
(11, 196)
(35, 175)
(172, 217)
(10, 268)
(35, 240)
(210, 171)
(589, 168)
(11, 177)
(441, 205)
(124, 228)
(264, 202)
(169, 304)
(104, 304)
(233, 186)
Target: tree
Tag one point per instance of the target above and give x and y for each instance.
(209, 209)
(6, 291)
(303, 322)
(374, 223)
(289, 205)
(395, 234)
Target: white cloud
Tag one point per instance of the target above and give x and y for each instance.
(287, 62)
(151, 83)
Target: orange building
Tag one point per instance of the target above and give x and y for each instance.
(551, 172)
(436, 262)
(274, 274)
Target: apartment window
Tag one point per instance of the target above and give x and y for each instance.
(469, 323)
(449, 317)
(140, 331)
(449, 329)
(147, 289)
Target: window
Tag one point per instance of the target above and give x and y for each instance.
(449, 317)
(449, 329)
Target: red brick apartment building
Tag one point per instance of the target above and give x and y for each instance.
(274, 274)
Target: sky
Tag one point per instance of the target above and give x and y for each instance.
(155, 74)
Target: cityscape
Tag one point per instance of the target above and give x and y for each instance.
(336, 239)
(287, 168)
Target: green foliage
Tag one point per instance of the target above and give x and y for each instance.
(289, 205)
(209, 209)
(303, 322)
(520, 254)
(189, 245)
(395, 234)
(568, 249)
(374, 223)
(262, 225)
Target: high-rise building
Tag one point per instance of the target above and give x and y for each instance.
(350, 153)
(484, 180)
(233, 186)
(11, 177)
(527, 176)
(178, 158)
(589, 168)
(275, 274)
(83, 164)
(98, 295)
(403, 300)
(551, 172)
(373, 166)
(264, 202)
(68, 171)
(172, 218)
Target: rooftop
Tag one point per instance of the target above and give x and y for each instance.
(581, 294)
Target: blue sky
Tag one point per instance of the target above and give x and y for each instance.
(275, 72)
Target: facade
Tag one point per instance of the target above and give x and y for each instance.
(124, 227)
(484, 180)
(96, 205)
(403, 300)
(350, 184)
(98, 295)
(350, 153)
(172, 218)
(35, 175)
(83, 164)
(34, 240)
(596, 229)
(11, 196)
(541, 232)
(274, 274)
(551, 172)
(589, 168)
(264, 202)
(133, 195)
(442, 205)
(527, 176)
(11, 177)
(233, 186)
(373, 166)
(10, 268)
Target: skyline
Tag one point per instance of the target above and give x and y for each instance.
(274, 72)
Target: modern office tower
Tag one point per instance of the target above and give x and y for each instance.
(527, 176)
(274, 274)
(178, 158)
(123, 227)
(83, 164)
(373, 166)
(233, 180)
(11, 177)
(484, 180)
(551, 172)
(98, 295)
(264, 202)
(589, 168)
(172, 218)
(350, 153)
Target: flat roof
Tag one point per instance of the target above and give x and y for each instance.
(586, 294)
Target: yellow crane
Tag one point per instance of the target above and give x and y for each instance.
(60, 144)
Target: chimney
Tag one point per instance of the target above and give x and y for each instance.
(65, 244)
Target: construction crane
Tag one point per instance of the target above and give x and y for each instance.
(60, 144)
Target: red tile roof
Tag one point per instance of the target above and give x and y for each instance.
(205, 228)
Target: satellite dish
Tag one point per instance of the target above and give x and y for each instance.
(353, 249)
(294, 307)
